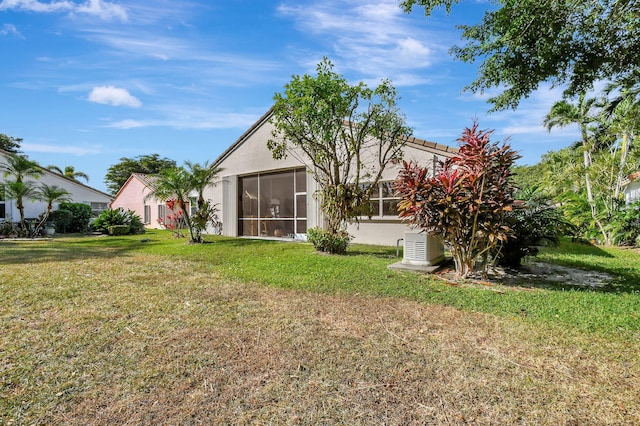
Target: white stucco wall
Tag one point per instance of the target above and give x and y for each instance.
(32, 209)
(251, 156)
(632, 192)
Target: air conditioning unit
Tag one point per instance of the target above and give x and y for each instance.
(422, 250)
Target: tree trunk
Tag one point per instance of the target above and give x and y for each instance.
(623, 162)
(590, 199)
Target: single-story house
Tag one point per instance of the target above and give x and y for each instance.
(262, 197)
(80, 193)
(134, 196)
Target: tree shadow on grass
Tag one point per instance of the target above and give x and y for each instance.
(42, 251)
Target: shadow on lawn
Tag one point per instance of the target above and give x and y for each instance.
(35, 251)
(579, 266)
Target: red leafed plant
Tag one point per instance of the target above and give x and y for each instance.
(175, 221)
(464, 200)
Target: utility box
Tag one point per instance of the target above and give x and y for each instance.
(421, 249)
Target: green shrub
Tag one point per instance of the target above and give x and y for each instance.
(625, 226)
(325, 241)
(116, 230)
(106, 219)
(535, 223)
(81, 216)
(109, 218)
(8, 229)
(61, 220)
(135, 223)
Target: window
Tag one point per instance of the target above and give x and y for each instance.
(273, 204)
(162, 214)
(147, 214)
(384, 201)
(193, 206)
(97, 208)
(633, 195)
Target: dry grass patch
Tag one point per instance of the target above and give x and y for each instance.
(143, 339)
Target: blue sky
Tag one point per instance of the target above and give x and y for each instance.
(86, 82)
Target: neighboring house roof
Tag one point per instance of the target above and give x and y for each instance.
(71, 181)
(631, 178)
(146, 180)
(412, 141)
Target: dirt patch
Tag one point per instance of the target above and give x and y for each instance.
(555, 275)
(539, 274)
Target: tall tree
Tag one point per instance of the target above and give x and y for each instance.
(118, 173)
(69, 172)
(345, 134)
(10, 144)
(583, 113)
(622, 113)
(524, 43)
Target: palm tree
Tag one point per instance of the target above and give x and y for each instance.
(203, 176)
(175, 183)
(50, 194)
(583, 114)
(69, 172)
(20, 167)
(19, 191)
(623, 114)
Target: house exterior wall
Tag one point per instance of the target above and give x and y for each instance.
(132, 196)
(250, 155)
(80, 193)
(250, 158)
(632, 192)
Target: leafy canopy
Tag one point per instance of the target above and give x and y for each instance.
(177, 185)
(524, 43)
(118, 173)
(345, 134)
(10, 144)
(69, 172)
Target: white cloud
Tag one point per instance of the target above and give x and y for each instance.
(374, 39)
(10, 29)
(190, 118)
(115, 96)
(103, 10)
(128, 124)
(61, 149)
(36, 6)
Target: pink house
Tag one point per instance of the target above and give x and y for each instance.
(133, 195)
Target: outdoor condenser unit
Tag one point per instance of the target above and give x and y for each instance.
(422, 250)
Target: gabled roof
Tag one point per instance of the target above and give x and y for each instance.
(72, 181)
(422, 144)
(146, 180)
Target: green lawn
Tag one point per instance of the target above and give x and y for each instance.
(614, 309)
(149, 329)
